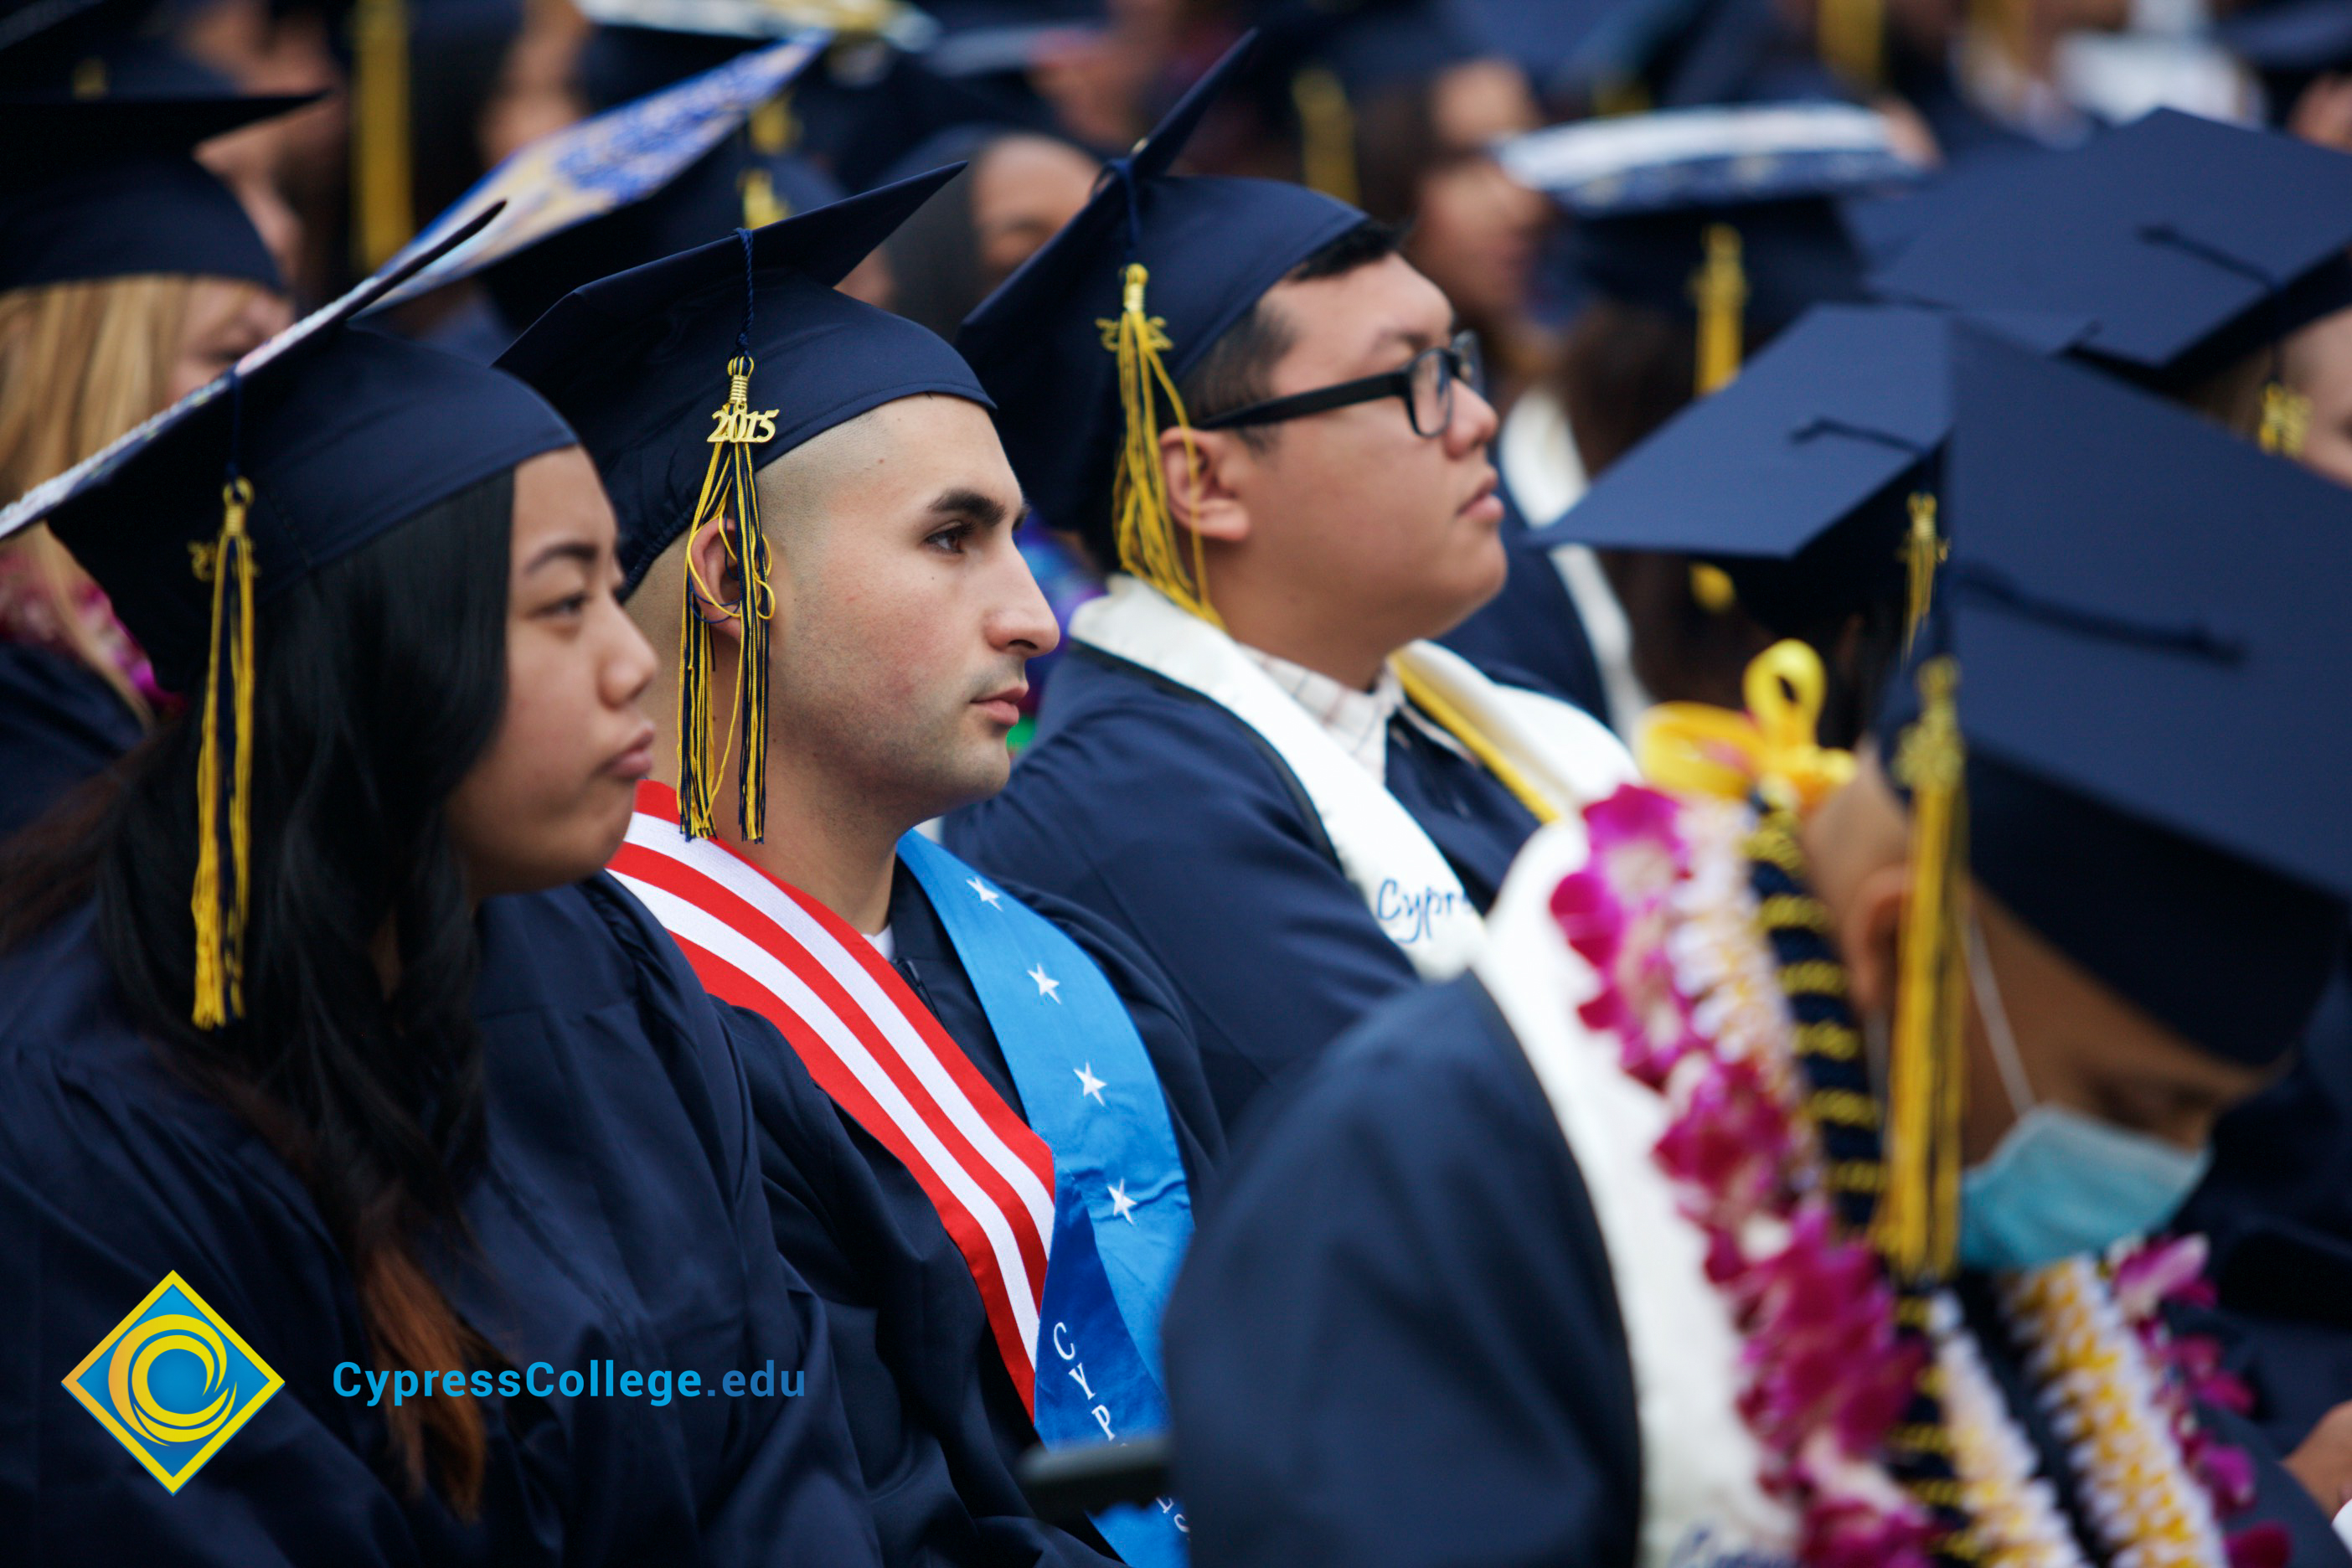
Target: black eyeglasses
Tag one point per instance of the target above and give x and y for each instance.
(1426, 385)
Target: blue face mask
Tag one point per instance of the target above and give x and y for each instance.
(2060, 1183)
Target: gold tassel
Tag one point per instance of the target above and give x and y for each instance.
(1139, 504)
(1719, 289)
(1712, 589)
(227, 563)
(772, 128)
(762, 205)
(383, 216)
(729, 489)
(1919, 1220)
(1850, 37)
(2287, 420)
(1327, 134)
(1923, 550)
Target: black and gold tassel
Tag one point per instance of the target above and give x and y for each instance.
(384, 215)
(220, 912)
(730, 491)
(1919, 1218)
(1145, 521)
(1719, 289)
(1327, 133)
(1925, 550)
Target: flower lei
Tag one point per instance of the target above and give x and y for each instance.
(1769, 1160)
(1663, 912)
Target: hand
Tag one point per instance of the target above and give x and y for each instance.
(2324, 1463)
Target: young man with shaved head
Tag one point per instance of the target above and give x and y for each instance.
(1007, 1078)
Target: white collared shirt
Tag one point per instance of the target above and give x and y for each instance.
(1359, 721)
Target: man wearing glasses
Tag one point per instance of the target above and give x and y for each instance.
(1252, 758)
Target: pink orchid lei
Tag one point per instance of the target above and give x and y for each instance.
(1663, 913)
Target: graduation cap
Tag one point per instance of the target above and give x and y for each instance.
(2183, 243)
(1084, 345)
(2289, 43)
(2147, 620)
(1724, 215)
(116, 191)
(628, 186)
(1320, 63)
(753, 323)
(316, 443)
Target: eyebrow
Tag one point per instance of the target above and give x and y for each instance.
(572, 549)
(961, 501)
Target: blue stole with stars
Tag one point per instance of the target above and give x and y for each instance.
(1122, 1214)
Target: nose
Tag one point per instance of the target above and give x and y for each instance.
(1474, 424)
(630, 666)
(1024, 623)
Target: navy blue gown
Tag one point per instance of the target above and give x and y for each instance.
(1396, 1343)
(936, 1420)
(59, 724)
(1168, 817)
(619, 1217)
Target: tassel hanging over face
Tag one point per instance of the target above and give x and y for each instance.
(1719, 289)
(1924, 551)
(1139, 504)
(225, 766)
(1919, 1220)
(729, 494)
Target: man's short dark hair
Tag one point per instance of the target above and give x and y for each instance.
(1235, 372)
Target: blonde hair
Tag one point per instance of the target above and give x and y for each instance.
(80, 363)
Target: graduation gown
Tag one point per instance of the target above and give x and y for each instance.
(619, 1216)
(1164, 815)
(1396, 1343)
(59, 724)
(936, 1420)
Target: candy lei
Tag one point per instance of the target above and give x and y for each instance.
(1769, 1159)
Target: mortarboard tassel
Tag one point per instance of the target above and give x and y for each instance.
(227, 563)
(1919, 1220)
(384, 215)
(762, 205)
(1852, 37)
(1145, 521)
(1327, 133)
(729, 489)
(2287, 420)
(1719, 289)
(1923, 550)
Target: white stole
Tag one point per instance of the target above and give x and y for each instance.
(1405, 880)
(1701, 1499)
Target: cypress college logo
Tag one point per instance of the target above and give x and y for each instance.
(173, 1383)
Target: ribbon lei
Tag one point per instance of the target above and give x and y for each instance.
(1702, 749)
(1146, 518)
(220, 928)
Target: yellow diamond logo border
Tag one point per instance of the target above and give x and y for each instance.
(113, 1424)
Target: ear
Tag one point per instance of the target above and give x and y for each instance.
(1203, 469)
(713, 581)
(1870, 934)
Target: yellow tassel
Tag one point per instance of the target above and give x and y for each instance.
(1454, 723)
(1719, 289)
(1712, 589)
(1851, 37)
(1327, 133)
(1923, 550)
(2287, 420)
(90, 78)
(1145, 521)
(762, 205)
(1919, 1220)
(730, 491)
(220, 934)
(383, 216)
(772, 127)
(1696, 749)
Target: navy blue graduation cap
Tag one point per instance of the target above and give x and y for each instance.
(753, 323)
(1320, 64)
(2290, 43)
(1631, 56)
(634, 183)
(115, 190)
(318, 442)
(2149, 631)
(1084, 346)
(1726, 216)
(2182, 243)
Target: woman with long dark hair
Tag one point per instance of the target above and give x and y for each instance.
(317, 1050)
